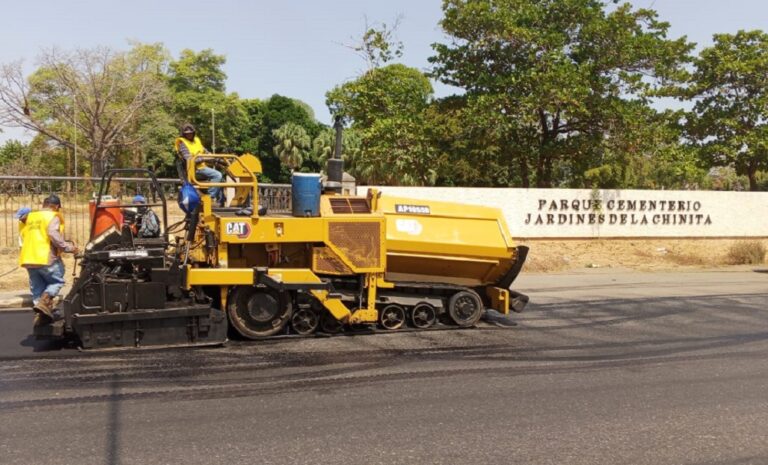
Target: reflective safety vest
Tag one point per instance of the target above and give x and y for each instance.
(35, 243)
(195, 148)
(21, 229)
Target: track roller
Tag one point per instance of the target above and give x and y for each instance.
(256, 313)
(392, 317)
(423, 315)
(465, 308)
(329, 324)
(305, 321)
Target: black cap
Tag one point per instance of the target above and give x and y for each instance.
(52, 200)
(187, 129)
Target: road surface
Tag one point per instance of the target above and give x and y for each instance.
(603, 368)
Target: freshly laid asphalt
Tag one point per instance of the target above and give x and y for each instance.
(604, 367)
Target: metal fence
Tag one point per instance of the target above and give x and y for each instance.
(77, 192)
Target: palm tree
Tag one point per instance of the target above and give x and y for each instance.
(293, 142)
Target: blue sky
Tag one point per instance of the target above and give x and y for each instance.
(289, 47)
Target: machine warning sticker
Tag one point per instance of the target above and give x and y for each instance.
(128, 253)
(241, 229)
(413, 209)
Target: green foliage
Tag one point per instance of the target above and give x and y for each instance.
(89, 98)
(271, 115)
(553, 93)
(730, 116)
(322, 148)
(552, 74)
(387, 106)
(324, 144)
(292, 146)
(378, 45)
(469, 144)
(19, 159)
(196, 81)
(198, 72)
(12, 151)
(393, 90)
(645, 152)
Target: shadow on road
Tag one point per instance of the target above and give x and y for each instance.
(41, 345)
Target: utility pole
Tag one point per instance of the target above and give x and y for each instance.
(74, 131)
(74, 134)
(213, 131)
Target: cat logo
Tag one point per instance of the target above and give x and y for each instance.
(241, 229)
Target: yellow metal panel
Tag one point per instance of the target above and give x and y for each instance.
(359, 240)
(219, 276)
(249, 165)
(293, 275)
(364, 316)
(239, 174)
(445, 227)
(445, 242)
(242, 230)
(499, 299)
(335, 306)
(326, 261)
(300, 275)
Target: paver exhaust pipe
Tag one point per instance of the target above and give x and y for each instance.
(336, 163)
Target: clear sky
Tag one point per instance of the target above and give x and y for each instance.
(288, 47)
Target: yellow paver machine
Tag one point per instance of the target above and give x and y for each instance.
(337, 263)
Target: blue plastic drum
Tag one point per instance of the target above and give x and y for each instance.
(305, 194)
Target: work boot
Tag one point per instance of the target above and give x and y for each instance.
(44, 308)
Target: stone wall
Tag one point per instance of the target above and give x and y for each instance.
(583, 213)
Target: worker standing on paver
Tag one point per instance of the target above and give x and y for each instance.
(42, 245)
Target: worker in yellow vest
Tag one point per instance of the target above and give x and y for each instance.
(41, 248)
(189, 145)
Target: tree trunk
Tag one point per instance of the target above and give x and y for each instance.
(752, 175)
(97, 163)
(524, 176)
(542, 180)
(544, 170)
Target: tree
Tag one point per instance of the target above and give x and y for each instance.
(16, 159)
(325, 143)
(378, 44)
(386, 105)
(551, 74)
(730, 115)
(197, 83)
(271, 115)
(95, 96)
(469, 145)
(645, 152)
(293, 142)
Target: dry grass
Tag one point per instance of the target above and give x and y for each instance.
(637, 254)
(17, 278)
(747, 253)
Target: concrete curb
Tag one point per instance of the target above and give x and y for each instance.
(15, 301)
(10, 301)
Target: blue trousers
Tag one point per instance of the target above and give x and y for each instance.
(48, 279)
(211, 175)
